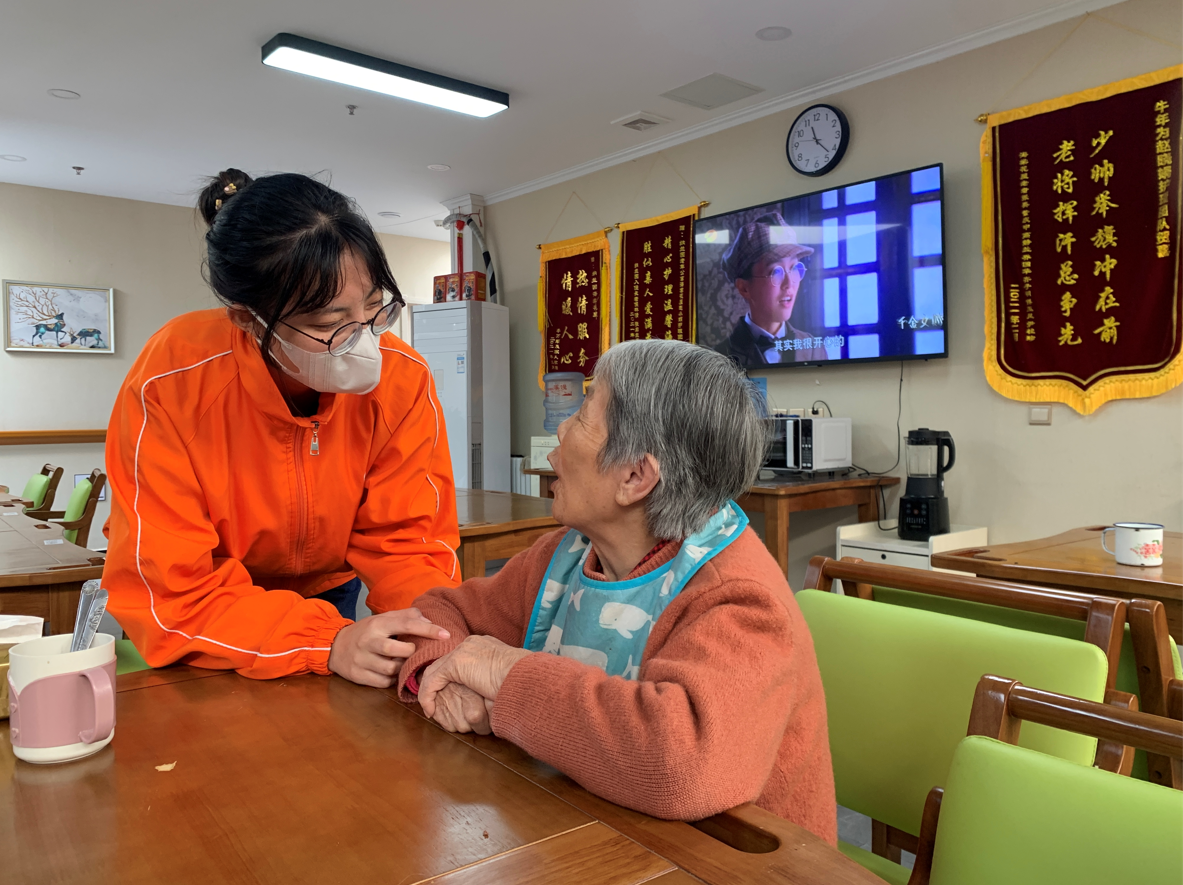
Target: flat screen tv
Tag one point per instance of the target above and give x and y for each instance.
(850, 274)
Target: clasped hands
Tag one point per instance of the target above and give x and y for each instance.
(458, 690)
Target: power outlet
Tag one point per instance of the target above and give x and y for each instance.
(796, 413)
(1040, 414)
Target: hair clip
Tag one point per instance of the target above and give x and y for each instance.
(231, 188)
(217, 205)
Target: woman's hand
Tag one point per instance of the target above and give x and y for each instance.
(365, 652)
(479, 663)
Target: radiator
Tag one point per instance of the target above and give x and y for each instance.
(520, 483)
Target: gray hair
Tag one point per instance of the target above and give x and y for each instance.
(696, 413)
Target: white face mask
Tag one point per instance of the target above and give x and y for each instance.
(358, 371)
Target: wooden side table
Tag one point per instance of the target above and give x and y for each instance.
(497, 525)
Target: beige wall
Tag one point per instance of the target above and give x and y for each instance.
(1123, 462)
(414, 263)
(151, 255)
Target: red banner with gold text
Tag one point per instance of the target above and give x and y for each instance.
(655, 277)
(1081, 201)
(573, 304)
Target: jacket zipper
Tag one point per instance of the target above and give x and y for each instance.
(314, 449)
(301, 496)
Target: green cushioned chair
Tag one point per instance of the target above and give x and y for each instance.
(1008, 814)
(79, 512)
(1127, 670)
(899, 685)
(41, 489)
(1017, 816)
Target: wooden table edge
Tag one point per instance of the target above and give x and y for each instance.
(478, 529)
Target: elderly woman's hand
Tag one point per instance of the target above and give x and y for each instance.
(479, 663)
(458, 708)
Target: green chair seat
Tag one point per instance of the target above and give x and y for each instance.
(1024, 818)
(1127, 670)
(35, 490)
(899, 685)
(127, 658)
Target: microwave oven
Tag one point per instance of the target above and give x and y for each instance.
(809, 445)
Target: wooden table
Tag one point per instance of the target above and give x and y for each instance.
(496, 525)
(777, 498)
(41, 573)
(1076, 561)
(315, 779)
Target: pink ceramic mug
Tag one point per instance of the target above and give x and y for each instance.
(61, 703)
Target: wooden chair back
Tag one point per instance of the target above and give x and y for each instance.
(1104, 617)
(55, 476)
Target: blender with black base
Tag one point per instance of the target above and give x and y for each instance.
(924, 509)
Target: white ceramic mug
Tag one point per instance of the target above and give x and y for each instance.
(1135, 543)
(61, 703)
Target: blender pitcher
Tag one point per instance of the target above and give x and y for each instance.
(924, 509)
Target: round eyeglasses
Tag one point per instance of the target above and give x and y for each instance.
(345, 338)
(778, 274)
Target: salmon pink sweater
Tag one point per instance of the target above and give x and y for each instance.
(728, 708)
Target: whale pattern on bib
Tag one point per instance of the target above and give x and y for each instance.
(606, 623)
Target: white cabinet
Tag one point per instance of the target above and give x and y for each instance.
(871, 544)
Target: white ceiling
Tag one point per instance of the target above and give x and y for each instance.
(173, 91)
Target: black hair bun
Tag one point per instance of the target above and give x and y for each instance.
(221, 188)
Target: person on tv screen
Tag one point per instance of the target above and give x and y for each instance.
(764, 265)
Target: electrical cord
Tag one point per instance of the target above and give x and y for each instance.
(829, 411)
(898, 450)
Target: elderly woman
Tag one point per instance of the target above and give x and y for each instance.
(652, 651)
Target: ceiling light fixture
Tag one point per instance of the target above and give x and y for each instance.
(13, 158)
(774, 33)
(316, 59)
(439, 167)
(67, 94)
(390, 215)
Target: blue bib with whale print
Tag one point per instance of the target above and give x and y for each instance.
(606, 623)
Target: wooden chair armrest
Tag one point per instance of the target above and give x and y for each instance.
(1111, 755)
(922, 869)
(71, 524)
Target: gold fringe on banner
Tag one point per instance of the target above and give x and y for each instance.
(1054, 390)
(618, 301)
(597, 241)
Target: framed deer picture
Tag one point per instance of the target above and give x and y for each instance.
(40, 317)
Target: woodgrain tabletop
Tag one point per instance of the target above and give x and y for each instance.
(1075, 560)
(482, 512)
(314, 779)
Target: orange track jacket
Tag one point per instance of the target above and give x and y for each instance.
(223, 519)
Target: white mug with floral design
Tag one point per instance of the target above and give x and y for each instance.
(1135, 543)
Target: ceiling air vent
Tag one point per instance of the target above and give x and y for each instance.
(712, 92)
(640, 121)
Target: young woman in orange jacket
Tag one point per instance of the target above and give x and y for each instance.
(265, 454)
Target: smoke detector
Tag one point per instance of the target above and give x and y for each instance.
(640, 121)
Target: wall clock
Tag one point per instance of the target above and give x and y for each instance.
(817, 139)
